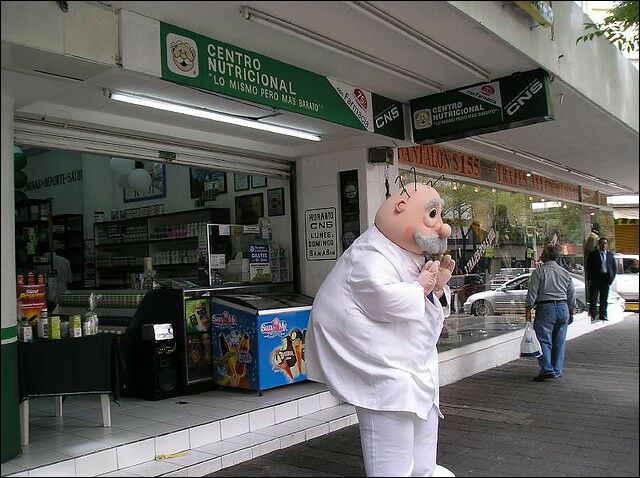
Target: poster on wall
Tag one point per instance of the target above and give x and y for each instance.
(275, 202)
(203, 180)
(350, 206)
(249, 208)
(320, 234)
(157, 185)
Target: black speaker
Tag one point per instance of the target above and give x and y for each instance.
(158, 367)
(382, 154)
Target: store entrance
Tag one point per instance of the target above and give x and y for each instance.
(119, 226)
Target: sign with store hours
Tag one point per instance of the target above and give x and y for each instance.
(320, 234)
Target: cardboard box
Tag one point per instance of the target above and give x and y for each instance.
(54, 327)
(75, 326)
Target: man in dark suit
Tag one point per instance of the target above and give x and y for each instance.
(601, 271)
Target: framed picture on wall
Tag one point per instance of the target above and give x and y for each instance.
(249, 208)
(275, 202)
(258, 182)
(240, 182)
(157, 187)
(202, 180)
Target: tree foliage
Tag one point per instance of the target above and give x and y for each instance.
(620, 27)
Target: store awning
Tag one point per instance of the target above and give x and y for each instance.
(139, 146)
(625, 213)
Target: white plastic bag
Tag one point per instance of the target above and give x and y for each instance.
(529, 345)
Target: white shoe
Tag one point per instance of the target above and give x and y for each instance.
(442, 471)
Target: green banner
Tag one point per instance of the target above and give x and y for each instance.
(509, 102)
(201, 62)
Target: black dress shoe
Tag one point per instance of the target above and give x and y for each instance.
(542, 378)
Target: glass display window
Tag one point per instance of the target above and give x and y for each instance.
(497, 237)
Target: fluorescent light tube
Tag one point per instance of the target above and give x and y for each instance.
(210, 115)
(332, 45)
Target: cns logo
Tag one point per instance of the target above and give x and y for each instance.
(422, 119)
(387, 117)
(182, 55)
(528, 93)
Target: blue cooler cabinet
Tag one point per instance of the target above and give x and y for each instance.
(258, 341)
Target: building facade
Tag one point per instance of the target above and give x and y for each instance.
(340, 75)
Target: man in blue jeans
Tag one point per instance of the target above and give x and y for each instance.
(552, 294)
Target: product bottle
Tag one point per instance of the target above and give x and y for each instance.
(43, 324)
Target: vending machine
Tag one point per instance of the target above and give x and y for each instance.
(197, 337)
(258, 340)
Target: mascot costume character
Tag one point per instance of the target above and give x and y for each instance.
(373, 331)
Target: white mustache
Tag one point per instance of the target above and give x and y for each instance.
(430, 244)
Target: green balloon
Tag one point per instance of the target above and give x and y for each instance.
(20, 196)
(20, 180)
(19, 161)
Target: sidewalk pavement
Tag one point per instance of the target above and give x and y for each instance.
(502, 423)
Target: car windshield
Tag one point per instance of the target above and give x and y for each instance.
(515, 282)
(629, 266)
(456, 281)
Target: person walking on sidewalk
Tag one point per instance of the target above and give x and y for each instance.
(601, 271)
(373, 330)
(552, 293)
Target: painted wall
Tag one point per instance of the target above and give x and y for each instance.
(57, 175)
(318, 187)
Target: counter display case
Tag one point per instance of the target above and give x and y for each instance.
(115, 308)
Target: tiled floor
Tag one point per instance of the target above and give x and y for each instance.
(214, 424)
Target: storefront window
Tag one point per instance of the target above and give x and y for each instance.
(496, 240)
(115, 218)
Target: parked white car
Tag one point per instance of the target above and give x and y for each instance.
(509, 298)
(627, 280)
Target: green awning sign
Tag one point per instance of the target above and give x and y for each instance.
(201, 62)
(517, 100)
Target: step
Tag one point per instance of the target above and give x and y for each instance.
(205, 448)
(219, 454)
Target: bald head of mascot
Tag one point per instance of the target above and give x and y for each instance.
(412, 219)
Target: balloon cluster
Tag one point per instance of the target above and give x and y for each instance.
(20, 179)
(131, 174)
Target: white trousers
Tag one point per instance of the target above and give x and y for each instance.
(398, 443)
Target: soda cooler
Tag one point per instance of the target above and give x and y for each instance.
(258, 340)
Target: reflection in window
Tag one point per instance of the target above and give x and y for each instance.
(497, 236)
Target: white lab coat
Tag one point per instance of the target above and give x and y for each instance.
(372, 333)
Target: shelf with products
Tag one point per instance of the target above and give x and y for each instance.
(115, 308)
(33, 235)
(122, 243)
(187, 238)
(68, 242)
(172, 239)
